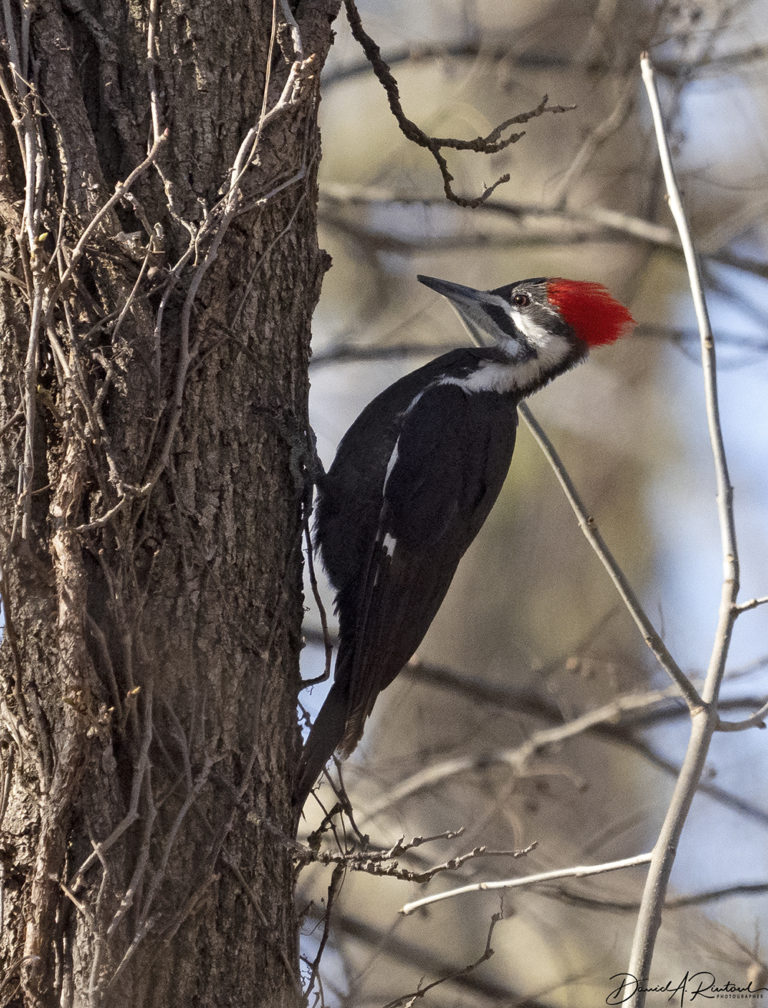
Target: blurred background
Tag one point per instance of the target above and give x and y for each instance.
(532, 634)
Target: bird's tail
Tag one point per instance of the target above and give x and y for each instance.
(327, 732)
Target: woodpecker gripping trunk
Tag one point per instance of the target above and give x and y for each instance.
(417, 474)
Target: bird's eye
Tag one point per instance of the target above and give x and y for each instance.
(521, 300)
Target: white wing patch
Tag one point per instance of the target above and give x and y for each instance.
(390, 466)
(388, 541)
(388, 544)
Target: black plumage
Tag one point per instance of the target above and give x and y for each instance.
(416, 476)
(390, 548)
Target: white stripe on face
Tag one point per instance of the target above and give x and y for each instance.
(519, 340)
(551, 348)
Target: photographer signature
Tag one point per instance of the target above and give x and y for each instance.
(692, 986)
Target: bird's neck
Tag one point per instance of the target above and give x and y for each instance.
(496, 372)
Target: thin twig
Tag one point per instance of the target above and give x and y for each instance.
(121, 188)
(741, 607)
(388, 862)
(706, 719)
(518, 757)
(589, 528)
(756, 720)
(581, 871)
(534, 225)
(154, 98)
(30, 406)
(406, 1000)
(562, 893)
(327, 642)
(334, 887)
(592, 143)
(493, 143)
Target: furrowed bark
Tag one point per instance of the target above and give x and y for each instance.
(155, 319)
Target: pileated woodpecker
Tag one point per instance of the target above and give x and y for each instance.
(418, 472)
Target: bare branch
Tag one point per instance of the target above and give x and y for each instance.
(741, 607)
(589, 527)
(408, 999)
(706, 720)
(386, 863)
(536, 224)
(517, 758)
(582, 871)
(502, 50)
(682, 902)
(493, 143)
(594, 141)
(334, 887)
(756, 720)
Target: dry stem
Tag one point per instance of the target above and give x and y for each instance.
(706, 720)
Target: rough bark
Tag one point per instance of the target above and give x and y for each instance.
(153, 388)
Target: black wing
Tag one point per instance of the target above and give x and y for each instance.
(445, 473)
(389, 542)
(350, 499)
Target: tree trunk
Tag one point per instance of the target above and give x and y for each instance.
(153, 394)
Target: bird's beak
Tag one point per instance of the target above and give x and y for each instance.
(457, 293)
(470, 304)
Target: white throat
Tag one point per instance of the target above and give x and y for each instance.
(516, 375)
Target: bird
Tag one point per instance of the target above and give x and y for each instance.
(416, 475)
